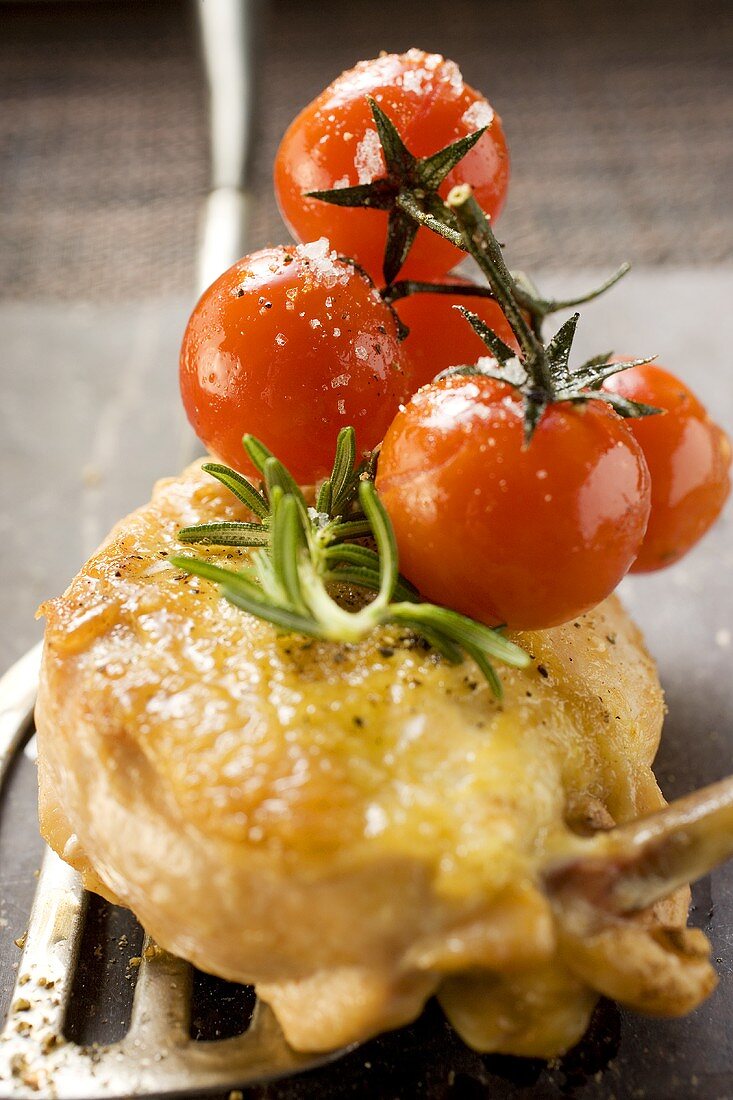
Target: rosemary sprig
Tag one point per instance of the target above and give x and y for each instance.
(299, 553)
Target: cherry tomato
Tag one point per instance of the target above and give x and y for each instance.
(689, 460)
(528, 536)
(291, 344)
(333, 143)
(440, 337)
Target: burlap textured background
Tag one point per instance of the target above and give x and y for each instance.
(619, 116)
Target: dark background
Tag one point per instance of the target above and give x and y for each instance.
(618, 115)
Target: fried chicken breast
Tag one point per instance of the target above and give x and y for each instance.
(352, 828)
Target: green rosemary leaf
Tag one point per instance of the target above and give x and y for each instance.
(241, 580)
(300, 551)
(400, 615)
(466, 632)
(278, 474)
(401, 232)
(353, 553)
(265, 574)
(356, 576)
(384, 537)
(241, 488)
(343, 476)
(432, 170)
(623, 406)
(350, 529)
(257, 451)
(398, 158)
(378, 195)
(500, 351)
(278, 477)
(487, 669)
(279, 616)
(325, 495)
(343, 556)
(286, 541)
(227, 533)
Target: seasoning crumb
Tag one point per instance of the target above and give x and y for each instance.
(49, 1041)
(21, 1005)
(20, 942)
(152, 951)
(135, 961)
(543, 672)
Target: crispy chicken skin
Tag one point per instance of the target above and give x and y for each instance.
(351, 828)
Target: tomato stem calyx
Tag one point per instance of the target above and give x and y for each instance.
(409, 180)
(547, 377)
(298, 552)
(408, 193)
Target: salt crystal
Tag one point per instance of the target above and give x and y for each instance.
(322, 263)
(281, 339)
(342, 407)
(360, 349)
(315, 323)
(368, 157)
(413, 80)
(340, 380)
(452, 76)
(478, 114)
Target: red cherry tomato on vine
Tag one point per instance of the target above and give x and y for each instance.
(689, 460)
(333, 143)
(440, 337)
(291, 344)
(529, 536)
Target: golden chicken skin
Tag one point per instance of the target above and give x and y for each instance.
(355, 827)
